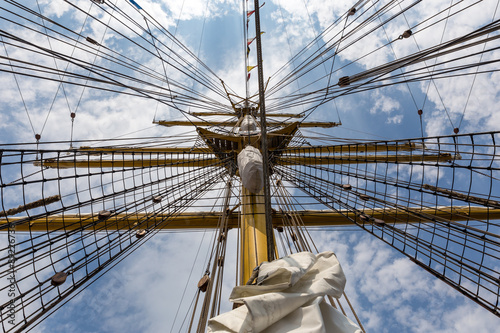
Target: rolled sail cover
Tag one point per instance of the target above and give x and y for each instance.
(251, 170)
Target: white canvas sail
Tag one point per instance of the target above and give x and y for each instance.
(289, 297)
(251, 169)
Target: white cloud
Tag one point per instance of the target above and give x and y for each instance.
(395, 119)
(384, 103)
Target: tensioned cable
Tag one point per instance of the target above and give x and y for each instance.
(301, 52)
(475, 75)
(356, 40)
(171, 45)
(85, 85)
(453, 5)
(431, 80)
(84, 77)
(146, 94)
(161, 29)
(18, 88)
(304, 67)
(419, 58)
(60, 86)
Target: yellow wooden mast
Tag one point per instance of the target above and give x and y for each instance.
(253, 245)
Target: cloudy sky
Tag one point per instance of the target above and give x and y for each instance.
(152, 289)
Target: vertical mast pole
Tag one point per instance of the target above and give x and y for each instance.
(264, 150)
(245, 47)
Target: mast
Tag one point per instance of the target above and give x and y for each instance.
(265, 153)
(257, 243)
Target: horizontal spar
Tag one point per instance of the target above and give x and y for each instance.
(210, 220)
(233, 114)
(138, 163)
(288, 160)
(342, 149)
(354, 148)
(233, 123)
(139, 150)
(360, 159)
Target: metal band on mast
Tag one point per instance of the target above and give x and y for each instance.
(265, 153)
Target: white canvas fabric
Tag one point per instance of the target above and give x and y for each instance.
(289, 297)
(251, 170)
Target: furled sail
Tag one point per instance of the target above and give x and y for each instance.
(289, 297)
(251, 170)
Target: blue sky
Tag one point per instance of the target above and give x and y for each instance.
(143, 293)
